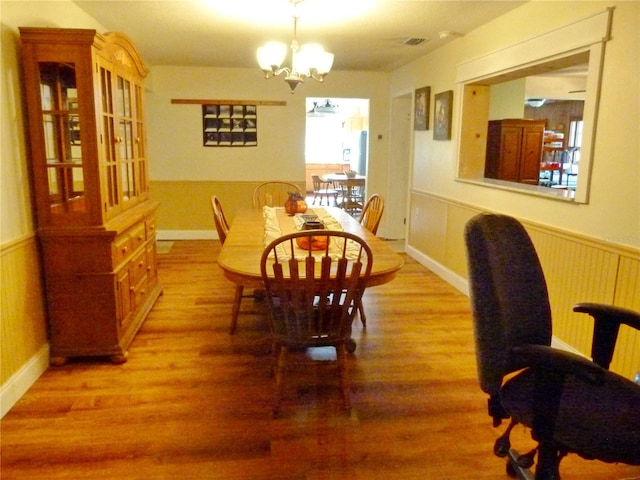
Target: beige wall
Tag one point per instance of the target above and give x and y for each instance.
(613, 211)
(576, 268)
(175, 135)
(590, 252)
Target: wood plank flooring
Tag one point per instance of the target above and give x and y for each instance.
(193, 402)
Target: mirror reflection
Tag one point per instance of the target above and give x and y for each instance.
(535, 124)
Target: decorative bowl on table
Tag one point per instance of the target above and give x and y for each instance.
(317, 243)
(312, 242)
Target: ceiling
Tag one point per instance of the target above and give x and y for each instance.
(363, 34)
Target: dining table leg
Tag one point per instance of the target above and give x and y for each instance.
(235, 310)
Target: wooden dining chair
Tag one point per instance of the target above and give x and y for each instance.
(312, 296)
(372, 213)
(370, 219)
(321, 189)
(273, 193)
(222, 227)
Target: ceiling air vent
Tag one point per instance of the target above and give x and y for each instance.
(413, 41)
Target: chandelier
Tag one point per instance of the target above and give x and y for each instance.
(307, 61)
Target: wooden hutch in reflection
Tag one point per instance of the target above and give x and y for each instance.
(514, 150)
(95, 220)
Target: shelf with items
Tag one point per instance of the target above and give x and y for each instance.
(553, 153)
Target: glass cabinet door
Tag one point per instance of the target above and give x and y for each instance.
(141, 142)
(109, 159)
(126, 139)
(62, 139)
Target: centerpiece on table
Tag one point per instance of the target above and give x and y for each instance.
(311, 222)
(295, 204)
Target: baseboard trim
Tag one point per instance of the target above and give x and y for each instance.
(447, 275)
(21, 381)
(187, 235)
(463, 285)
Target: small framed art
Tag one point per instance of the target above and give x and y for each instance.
(229, 125)
(421, 114)
(442, 105)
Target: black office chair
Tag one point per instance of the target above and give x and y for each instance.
(571, 404)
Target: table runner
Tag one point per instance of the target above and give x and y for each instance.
(278, 223)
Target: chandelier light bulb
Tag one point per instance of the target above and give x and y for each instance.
(307, 61)
(271, 55)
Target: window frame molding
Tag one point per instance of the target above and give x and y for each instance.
(586, 34)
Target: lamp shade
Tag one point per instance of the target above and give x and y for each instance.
(535, 102)
(271, 55)
(324, 63)
(315, 58)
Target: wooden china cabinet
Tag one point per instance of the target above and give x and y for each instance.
(95, 220)
(514, 150)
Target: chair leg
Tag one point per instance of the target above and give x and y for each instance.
(363, 317)
(281, 353)
(235, 310)
(341, 354)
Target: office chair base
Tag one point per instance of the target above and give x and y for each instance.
(514, 470)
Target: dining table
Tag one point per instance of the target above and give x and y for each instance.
(352, 187)
(249, 234)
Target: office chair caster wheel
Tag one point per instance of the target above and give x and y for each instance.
(526, 460)
(502, 446)
(351, 345)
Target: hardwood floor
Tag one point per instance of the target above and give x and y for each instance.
(193, 402)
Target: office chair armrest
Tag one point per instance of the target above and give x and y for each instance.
(610, 313)
(560, 362)
(607, 321)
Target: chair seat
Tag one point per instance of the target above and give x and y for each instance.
(596, 421)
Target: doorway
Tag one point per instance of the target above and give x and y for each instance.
(400, 144)
(336, 136)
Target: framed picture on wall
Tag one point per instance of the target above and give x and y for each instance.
(442, 105)
(421, 114)
(232, 125)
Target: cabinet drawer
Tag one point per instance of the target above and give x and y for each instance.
(151, 227)
(138, 266)
(121, 249)
(139, 292)
(138, 236)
